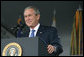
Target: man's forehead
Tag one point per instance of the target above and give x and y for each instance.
(29, 11)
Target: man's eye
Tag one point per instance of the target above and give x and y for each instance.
(29, 15)
(25, 16)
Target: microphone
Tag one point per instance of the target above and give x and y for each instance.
(18, 26)
(15, 27)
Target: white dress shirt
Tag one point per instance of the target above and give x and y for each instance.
(36, 29)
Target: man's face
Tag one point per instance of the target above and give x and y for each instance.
(31, 19)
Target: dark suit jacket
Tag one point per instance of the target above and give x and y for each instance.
(48, 35)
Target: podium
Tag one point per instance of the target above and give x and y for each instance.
(30, 46)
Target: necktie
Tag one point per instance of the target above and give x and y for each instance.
(32, 33)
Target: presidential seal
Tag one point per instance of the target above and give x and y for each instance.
(12, 49)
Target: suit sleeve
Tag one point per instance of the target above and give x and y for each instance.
(55, 41)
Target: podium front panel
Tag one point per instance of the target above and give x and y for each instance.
(29, 45)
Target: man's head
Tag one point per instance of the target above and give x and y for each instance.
(31, 16)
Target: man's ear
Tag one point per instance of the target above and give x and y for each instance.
(38, 16)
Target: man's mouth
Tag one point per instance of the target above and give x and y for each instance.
(28, 21)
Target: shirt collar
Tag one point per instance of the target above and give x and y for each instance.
(36, 28)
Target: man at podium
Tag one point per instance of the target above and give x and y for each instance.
(46, 33)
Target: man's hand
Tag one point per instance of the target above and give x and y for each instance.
(51, 49)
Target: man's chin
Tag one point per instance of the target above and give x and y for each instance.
(29, 25)
(32, 27)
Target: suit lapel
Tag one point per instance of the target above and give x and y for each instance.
(40, 30)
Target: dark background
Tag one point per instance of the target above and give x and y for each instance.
(65, 11)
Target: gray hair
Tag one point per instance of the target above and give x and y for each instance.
(35, 9)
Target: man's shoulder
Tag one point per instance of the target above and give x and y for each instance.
(48, 27)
